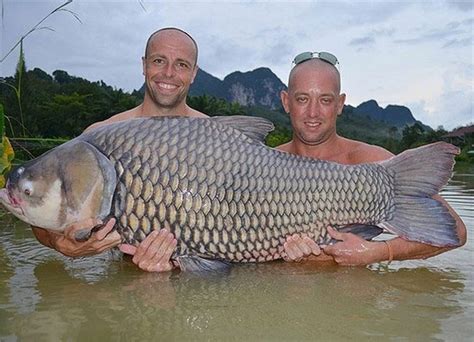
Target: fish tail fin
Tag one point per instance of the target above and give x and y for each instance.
(418, 175)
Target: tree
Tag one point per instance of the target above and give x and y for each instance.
(212, 106)
(412, 136)
(63, 115)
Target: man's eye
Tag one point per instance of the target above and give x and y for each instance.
(301, 99)
(158, 61)
(326, 100)
(183, 65)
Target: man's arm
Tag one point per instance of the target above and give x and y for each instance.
(353, 250)
(66, 243)
(152, 254)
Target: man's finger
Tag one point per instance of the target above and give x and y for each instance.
(169, 248)
(329, 250)
(164, 264)
(143, 246)
(161, 267)
(112, 239)
(158, 247)
(293, 252)
(288, 252)
(128, 249)
(300, 246)
(102, 233)
(335, 234)
(312, 245)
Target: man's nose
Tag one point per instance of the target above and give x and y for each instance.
(313, 109)
(169, 70)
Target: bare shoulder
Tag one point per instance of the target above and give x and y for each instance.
(197, 114)
(361, 152)
(286, 147)
(129, 114)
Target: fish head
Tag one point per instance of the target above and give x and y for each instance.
(68, 184)
(33, 192)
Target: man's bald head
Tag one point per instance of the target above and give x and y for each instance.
(310, 67)
(173, 31)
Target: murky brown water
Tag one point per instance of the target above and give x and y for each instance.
(47, 297)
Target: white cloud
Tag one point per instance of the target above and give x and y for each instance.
(395, 52)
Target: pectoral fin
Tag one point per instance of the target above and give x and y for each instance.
(365, 231)
(83, 235)
(197, 264)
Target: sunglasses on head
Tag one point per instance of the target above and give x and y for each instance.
(324, 56)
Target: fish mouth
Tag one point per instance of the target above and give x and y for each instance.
(8, 199)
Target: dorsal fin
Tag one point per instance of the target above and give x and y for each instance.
(254, 127)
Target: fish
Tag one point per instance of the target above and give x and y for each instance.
(225, 195)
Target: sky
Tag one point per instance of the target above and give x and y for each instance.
(413, 53)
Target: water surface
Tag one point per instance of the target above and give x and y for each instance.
(46, 297)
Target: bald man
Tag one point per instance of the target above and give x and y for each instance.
(169, 67)
(314, 101)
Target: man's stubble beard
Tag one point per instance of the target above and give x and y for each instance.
(169, 102)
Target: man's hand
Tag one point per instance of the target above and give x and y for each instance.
(352, 250)
(153, 254)
(298, 247)
(97, 243)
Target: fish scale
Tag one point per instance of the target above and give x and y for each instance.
(224, 195)
(227, 196)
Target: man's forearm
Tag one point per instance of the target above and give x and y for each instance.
(405, 250)
(43, 236)
(67, 245)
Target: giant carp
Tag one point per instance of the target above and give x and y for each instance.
(225, 195)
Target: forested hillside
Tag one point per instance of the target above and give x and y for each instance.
(62, 106)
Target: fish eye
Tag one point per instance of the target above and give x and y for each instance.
(27, 189)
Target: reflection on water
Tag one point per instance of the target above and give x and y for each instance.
(44, 296)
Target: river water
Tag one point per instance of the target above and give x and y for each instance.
(47, 297)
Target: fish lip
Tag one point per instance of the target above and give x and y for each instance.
(12, 200)
(6, 200)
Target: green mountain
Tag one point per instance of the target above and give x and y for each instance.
(62, 105)
(261, 87)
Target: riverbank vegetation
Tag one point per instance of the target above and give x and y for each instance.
(57, 107)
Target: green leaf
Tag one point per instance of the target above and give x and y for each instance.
(2, 121)
(5, 159)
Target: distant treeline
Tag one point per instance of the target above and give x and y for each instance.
(62, 106)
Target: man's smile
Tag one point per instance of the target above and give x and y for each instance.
(166, 86)
(312, 124)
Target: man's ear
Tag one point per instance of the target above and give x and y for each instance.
(284, 100)
(340, 105)
(195, 71)
(143, 66)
